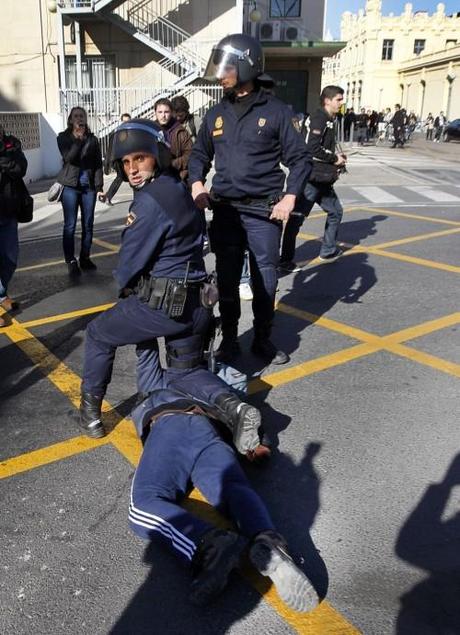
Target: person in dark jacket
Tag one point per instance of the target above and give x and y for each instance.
(117, 181)
(181, 112)
(249, 133)
(13, 166)
(176, 136)
(398, 122)
(81, 176)
(319, 189)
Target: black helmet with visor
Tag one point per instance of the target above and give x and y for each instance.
(239, 51)
(140, 135)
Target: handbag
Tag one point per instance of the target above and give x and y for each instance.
(55, 192)
(323, 172)
(24, 203)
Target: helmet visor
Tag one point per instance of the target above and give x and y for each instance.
(221, 61)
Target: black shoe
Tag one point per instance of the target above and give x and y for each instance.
(218, 553)
(87, 265)
(333, 257)
(242, 419)
(268, 553)
(90, 415)
(289, 266)
(267, 350)
(229, 349)
(73, 269)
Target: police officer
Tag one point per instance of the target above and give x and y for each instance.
(160, 272)
(399, 122)
(183, 446)
(248, 134)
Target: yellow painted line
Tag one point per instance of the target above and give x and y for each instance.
(389, 212)
(311, 367)
(44, 456)
(431, 264)
(53, 263)
(66, 316)
(422, 329)
(425, 359)
(123, 437)
(327, 323)
(106, 245)
(413, 239)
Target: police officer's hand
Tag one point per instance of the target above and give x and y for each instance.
(283, 208)
(200, 195)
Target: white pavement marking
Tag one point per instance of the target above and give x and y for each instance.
(433, 194)
(377, 195)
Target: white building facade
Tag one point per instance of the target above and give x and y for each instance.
(412, 59)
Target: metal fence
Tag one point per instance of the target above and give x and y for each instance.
(105, 106)
(25, 126)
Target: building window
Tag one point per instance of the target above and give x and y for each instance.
(451, 42)
(419, 46)
(285, 8)
(387, 49)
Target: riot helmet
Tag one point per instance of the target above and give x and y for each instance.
(140, 135)
(240, 51)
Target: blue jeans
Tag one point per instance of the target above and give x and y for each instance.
(9, 250)
(72, 199)
(324, 195)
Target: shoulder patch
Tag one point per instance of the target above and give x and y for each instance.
(130, 219)
(295, 123)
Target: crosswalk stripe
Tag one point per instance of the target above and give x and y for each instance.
(434, 195)
(377, 195)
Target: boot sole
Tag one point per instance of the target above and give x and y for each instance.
(245, 436)
(95, 430)
(292, 585)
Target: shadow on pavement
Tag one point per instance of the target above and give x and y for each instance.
(161, 604)
(431, 542)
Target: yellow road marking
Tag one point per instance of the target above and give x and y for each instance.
(413, 239)
(52, 263)
(353, 249)
(44, 456)
(389, 212)
(423, 329)
(66, 316)
(425, 359)
(106, 245)
(125, 440)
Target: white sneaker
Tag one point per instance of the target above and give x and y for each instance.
(246, 291)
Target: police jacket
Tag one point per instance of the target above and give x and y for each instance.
(164, 231)
(78, 155)
(248, 149)
(13, 166)
(321, 138)
(399, 119)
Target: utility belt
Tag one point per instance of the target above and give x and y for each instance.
(261, 207)
(170, 294)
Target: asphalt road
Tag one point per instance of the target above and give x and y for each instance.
(365, 480)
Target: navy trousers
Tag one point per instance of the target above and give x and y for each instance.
(184, 450)
(231, 233)
(131, 321)
(9, 250)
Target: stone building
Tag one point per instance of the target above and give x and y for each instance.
(412, 59)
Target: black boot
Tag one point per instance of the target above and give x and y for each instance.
(268, 553)
(242, 419)
(229, 347)
(90, 415)
(263, 347)
(218, 553)
(86, 264)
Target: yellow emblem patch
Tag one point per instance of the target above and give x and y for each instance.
(217, 133)
(219, 123)
(262, 122)
(130, 219)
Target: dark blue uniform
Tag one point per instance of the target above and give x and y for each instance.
(163, 237)
(184, 448)
(248, 147)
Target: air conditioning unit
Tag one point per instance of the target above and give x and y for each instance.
(270, 31)
(291, 33)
